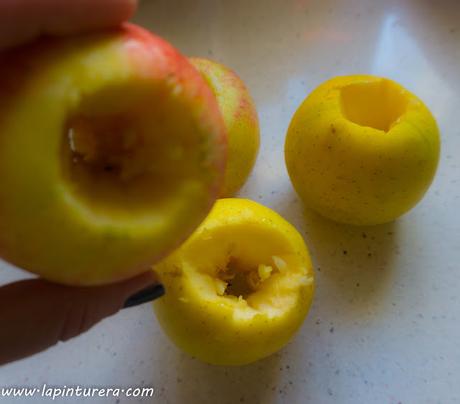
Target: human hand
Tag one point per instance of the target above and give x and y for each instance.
(36, 314)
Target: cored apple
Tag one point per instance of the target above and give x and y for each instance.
(239, 288)
(362, 150)
(240, 118)
(112, 150)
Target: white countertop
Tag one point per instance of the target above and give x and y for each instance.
(385, 324)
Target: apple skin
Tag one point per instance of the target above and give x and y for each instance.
(226, 330)
(370, 166)
(49, 224)
(240, 118)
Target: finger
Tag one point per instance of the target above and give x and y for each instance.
(24, 20)
(36, 314)
(92, 304)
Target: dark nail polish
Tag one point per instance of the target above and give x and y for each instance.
(145, 295)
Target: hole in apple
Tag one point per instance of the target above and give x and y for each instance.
(242, 281)
(106, 145)
(129, 149)
(249, 266)
(377, 104)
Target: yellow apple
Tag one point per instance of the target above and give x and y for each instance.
(240, 118)
(238, 288)
(112, 150)
(362, 150)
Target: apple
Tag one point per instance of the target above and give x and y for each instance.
(239, 288)
(112, 150)
(240, 118)
(362, 150)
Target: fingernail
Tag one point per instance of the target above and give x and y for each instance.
(145, 295)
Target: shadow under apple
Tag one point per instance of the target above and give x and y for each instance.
(355, 262)
(354, 265)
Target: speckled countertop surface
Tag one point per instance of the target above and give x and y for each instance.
(385, 324)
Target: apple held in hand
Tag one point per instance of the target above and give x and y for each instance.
(112, 150)
(240, 118)
(238, 288)
(362, 150)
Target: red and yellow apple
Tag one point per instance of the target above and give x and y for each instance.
(362, 150)
(112, 150)
(239, 288)
(240, 118)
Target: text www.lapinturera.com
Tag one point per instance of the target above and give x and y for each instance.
(53, 392)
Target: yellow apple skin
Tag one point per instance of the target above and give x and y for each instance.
(362, 150)
(222, 328)
(59, 220)
(240, 118)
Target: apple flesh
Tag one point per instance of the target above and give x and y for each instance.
(112, 150)
(362, 150)
(240, 118)
(239, 288)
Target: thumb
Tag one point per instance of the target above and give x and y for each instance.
(23, 20)
(37, 314)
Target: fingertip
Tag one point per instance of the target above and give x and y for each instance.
(145, 295)
(111, 12)
(22, 21)
(130, 9)
(87, 15)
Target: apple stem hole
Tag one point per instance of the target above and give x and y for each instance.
(242, 282)
(377, 104)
